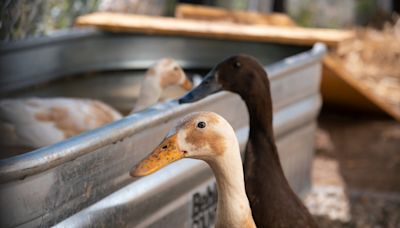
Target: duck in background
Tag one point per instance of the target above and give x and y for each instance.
(30, 123)
(165, 73)
(208, 137)
(273, 202)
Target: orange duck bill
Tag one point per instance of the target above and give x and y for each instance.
(187, 84)
(166, 153)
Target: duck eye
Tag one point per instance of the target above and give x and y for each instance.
(201, 124)
(237, 64)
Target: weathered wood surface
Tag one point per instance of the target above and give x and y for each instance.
(220, 30)
(340, 88)
(206, 13)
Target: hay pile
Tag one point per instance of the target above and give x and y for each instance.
(373, 58)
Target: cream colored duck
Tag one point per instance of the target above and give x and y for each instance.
(30, 123)
(165, 73)
(208, 137)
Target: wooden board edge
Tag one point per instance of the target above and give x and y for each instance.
(334, 64)
(208, 13)
(151, 25)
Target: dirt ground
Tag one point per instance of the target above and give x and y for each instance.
(356, 172)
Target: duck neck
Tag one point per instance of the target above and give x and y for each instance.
(261, 135)
(150, 93)
(233, 206)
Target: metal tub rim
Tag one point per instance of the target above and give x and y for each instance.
(57, 36)
(61, 48)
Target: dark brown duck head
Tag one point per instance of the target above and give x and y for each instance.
(240, 74)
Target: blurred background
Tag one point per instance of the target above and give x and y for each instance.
(24, 18)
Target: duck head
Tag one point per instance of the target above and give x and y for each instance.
(238, 74)
(168, 73)
(164, 73)
(202, 135)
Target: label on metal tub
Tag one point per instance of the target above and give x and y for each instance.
(203, 205)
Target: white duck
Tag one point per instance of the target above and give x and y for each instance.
(208, 137)
(30, 123)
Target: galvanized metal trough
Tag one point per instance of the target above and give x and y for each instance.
(84, 181)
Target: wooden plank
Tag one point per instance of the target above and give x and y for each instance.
(218, 30)
(197, 12)
(339, 87)
(336, 91)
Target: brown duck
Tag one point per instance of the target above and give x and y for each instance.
(273, 202)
